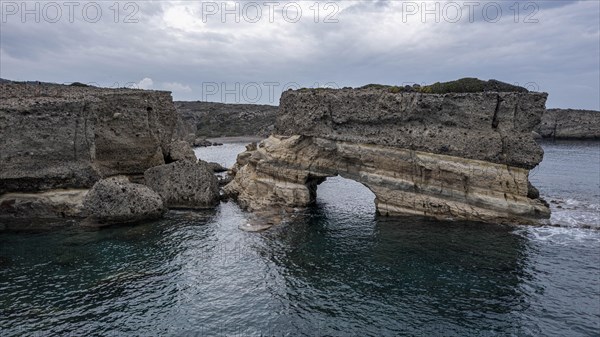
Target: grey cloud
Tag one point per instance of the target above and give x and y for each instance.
(370, 44)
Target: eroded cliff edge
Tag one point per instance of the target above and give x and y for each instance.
(448, 156)
(57, 141)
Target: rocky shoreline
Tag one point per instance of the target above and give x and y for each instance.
(101, 154)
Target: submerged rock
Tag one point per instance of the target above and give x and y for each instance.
(116, 200)
(202, 142)
(184, 184)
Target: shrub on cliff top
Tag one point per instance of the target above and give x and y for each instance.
(462, 85)
(469, 84)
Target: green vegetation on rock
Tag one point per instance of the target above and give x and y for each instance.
(470, 84)
(463, 85)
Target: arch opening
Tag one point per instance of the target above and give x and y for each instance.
(342, 194)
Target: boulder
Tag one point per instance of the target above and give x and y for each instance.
(116, 200)
(180, 150)
(184, 184)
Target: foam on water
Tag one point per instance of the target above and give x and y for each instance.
(576, 214)
(569, 180)
(561, 235)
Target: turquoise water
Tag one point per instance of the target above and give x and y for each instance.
(334, 270)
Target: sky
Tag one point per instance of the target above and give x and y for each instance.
(251, 51)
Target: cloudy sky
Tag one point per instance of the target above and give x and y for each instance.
(250, 51)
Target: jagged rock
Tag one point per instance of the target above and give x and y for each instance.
(181, 150)
(116, 200)
(570, 124)
(65, 137)
(184, 184)
(447, 156)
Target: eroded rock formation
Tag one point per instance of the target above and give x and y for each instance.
(57, 141)
(55, 136)
(456, 155)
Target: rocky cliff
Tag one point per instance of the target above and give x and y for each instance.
(207, 119)
(448, 156)
(570, 124)
(57, 137)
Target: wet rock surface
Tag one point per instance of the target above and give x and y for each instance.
(49, 204)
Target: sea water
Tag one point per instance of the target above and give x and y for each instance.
(334, 270)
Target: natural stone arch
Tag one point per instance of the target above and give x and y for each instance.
(447, 156)
(285, 171)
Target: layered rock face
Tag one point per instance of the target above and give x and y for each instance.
(570, 124)
(448, 156)
(489, 126)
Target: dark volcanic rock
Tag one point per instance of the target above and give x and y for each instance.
(184, 184)
(570, 124)
(489, 126)
(116, 200)
(57, 136)
(211, 120)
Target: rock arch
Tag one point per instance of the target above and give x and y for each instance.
(447, 156)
